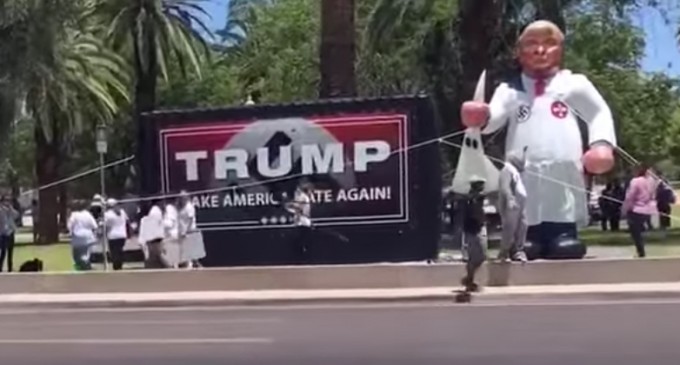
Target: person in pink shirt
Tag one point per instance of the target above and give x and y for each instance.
(639, 205)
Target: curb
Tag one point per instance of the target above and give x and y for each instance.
(343, 277)
(505, 299)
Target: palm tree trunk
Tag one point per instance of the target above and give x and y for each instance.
(63, 207)
(338, 49)
(476, 30)
(48, 163)
(7, 117)
(16, 192)
(145, 101)
(552, 10)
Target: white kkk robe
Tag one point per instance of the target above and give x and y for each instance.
(191, 239)
(548, 127)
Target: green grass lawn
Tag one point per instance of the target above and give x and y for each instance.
(596, 237)
(55, 257)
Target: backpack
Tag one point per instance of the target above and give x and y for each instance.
(665, 194)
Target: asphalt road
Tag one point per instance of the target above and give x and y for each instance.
(556, 334)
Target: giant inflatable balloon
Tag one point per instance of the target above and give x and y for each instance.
(541, 109)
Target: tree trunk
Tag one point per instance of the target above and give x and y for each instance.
(16, 192)
(477, 30)
(145, 101)
(7, 118)
(475, 34)
(337, 49)
(63, 207)
(48, 163)
(552, 11)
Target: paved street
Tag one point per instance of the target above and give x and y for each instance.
(557, 334)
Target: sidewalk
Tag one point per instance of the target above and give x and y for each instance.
(291, 297)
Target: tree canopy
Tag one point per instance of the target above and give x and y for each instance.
(409, 46)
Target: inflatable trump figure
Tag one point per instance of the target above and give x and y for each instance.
(542, 109)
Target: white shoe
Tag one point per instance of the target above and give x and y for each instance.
(520, 256)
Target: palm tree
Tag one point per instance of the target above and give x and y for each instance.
(150, 33)
(338, 48)
(93, 82)
(63, 75)
(236, 27)
(11, 42)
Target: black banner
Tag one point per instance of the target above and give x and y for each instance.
(368, 184)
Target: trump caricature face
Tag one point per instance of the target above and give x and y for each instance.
(540, 49)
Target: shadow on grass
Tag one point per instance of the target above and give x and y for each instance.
(593, 237)
(33, 244)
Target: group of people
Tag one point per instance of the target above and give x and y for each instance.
(169, 226)
(646, 195)
(511, 205)
(167, 232)
(169, 235)
(88, 224)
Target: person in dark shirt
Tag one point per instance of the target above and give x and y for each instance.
(665, 198)
(610, 205)
(474, 231)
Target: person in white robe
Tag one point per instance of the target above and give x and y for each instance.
(191, 239)
(171, 239)
(151, 237)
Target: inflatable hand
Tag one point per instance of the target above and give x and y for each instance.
(474, 114)
(599, 159)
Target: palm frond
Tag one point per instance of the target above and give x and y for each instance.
(174, 28)
(385, 17)
(63, 73)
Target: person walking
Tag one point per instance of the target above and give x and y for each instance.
(610, 205)
(512, 205)
(639, 205)
(606, 208)
(191, 240)
(151, 236)
(301, 207)
(171, 233)
(97, 207)
(457, 225)
(116, 228)
(82, 227)
(474, 233)
(8, 226)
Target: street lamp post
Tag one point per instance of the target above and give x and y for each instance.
(102, 147)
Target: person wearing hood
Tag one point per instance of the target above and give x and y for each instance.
(512, 208)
